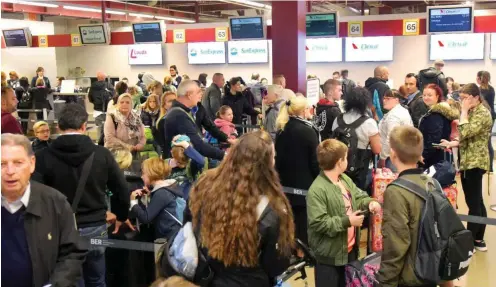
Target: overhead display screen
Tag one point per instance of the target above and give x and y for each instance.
(369, 49)
(324, 50)
(94, 34)
(457, 46)
(147, 32)
(450, 19)
(242, 52)
(246, 28)
(207, 53)
(493, 47)
(145, 54)
(322, 25)
(16, 38)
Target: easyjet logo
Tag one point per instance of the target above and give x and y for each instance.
(136, 53)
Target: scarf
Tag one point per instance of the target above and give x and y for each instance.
(131, 122)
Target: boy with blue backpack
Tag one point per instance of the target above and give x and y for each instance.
(424, 241)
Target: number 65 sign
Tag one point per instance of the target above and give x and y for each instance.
(411, 27)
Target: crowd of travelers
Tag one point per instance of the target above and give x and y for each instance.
(178, 156)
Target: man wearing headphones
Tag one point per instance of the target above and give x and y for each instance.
(415, 102)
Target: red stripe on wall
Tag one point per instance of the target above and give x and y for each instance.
(120, 38)
(34, 42)
(59, 40)
(485, 24)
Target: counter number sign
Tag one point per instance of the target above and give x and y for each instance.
(355, 29)
(179, 36)
(221, 34)
(411, 27)
(75, 40)
(42, 41)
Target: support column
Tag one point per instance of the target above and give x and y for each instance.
(104, 12)
(288, 43)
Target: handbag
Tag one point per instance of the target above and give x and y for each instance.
(81, 184)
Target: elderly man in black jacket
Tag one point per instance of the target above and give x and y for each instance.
(40, 244)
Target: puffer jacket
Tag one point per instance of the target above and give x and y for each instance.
(474, 136)
(327, 220)
(402, 211)
(435, 126)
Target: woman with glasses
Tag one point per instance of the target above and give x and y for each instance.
(42, 133)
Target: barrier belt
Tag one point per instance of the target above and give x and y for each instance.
(124, 244)
(463, 217)
(248, 126)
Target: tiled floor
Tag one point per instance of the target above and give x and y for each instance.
(483, 267)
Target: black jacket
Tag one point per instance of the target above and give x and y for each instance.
(380, 85)
(55, 165)
(239, 105)
(45, 79)
(100, 94)
(149, 118)
(204, 121)
(39, 144)
(296, 157)
(179, 123)
(488, 95)
(327, 112)
(19, 92)
(435, 126)
(417, 108)
(271, 263)
(39, 96)
(56, 250)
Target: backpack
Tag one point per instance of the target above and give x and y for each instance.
(180, 207)
(432, 76)
(444, 247)
(26, 101)
(377, 104)
(346, 133)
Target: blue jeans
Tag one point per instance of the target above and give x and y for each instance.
(389, 164)
(94, 265)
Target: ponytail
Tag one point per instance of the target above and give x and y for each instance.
(294, 106)
(283, 117)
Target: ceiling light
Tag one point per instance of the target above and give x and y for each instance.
(249, 3)
(468, 3)
(184, 20)
(80, 8)
(115, 12)
(141, 15)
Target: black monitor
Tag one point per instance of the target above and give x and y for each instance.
(320, 25)
(94, 34)
(148, 32)
(450, 19)
(17, 37)
(247, 28)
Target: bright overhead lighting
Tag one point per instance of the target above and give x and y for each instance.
(184, 20)
(250, 3)
(269, 22)
(39, 4)
(115, 12)
(268, 7)
(80, 8)
(141, 15)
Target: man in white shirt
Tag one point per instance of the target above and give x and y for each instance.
(397, 116)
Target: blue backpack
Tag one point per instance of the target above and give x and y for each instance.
(377, 104)
(180, 207)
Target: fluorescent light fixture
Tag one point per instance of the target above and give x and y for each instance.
(39, 4)
(141, 15)
(354, 10)
(184, 20)
(269, 22)
(250, 3)
(115, 12)
(81, 8)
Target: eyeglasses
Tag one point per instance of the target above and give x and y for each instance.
(43, 131)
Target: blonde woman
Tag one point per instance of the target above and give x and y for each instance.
(151, 111)
(298, 138)
(155, 88)
(168, 87)
(42, 133)
(124, 126)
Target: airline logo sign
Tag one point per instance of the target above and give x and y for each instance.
(93, 34)
(248, 52)
(451, 11)
(207, 53)
(320, 50)
(457, 46)
(369, 49)
(145, 54)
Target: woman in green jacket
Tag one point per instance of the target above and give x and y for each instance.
(475, 128)
(336, 210)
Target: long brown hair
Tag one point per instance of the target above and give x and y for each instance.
(228, 195)
(146, 106)
(484, 78)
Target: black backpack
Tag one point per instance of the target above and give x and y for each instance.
(432, 76)
(445, 247)
(346, 133)
(26, 101)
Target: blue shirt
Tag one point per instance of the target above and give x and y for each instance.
(410, 97)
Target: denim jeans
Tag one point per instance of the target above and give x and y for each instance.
(94, 265)
(389, 164)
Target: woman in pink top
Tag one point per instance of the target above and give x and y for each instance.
(224, 122)
(124, 126)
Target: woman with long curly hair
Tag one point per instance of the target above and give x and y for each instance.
(244, 220)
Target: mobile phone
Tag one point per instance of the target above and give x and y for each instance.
(363, 212)
(438, 145)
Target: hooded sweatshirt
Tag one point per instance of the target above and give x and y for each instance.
(226, 127)
(327, 112)
(60, 166)
(435, 126)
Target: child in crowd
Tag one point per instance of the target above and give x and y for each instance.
(186, 163)
(42, 132)
(162, 203)
(402, 212)
(336, 208)
(224, 122)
